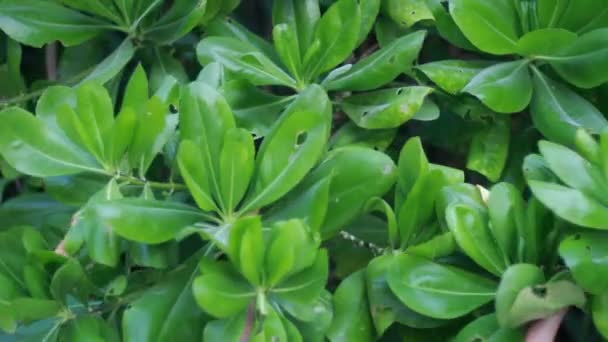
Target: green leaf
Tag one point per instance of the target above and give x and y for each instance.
(96, 7)
(504, 87)
(88, 328)
(446, 26)
(384, 306)
(541, 301)
(387, 108)
(286, 44)
(228, 330)
(335, 38)
(33, 148)
(103, 245)
(70, 280)
(506, 209)
(349, 191)
(226, 27)
(292, 247)
(544, 43)
(575, 171)
(513, 281)
(486, 328)
(585, 254)
(147, 221)
(307, 203)
(136, 93)
(472, 233)
(166, 311)
(436, 290)
(570, 204)
(301, 16)
(489, 149)
(183, 16)
(113, 64)
(52, 99)
(558, 112)
(243, 59)
(194, 172)
(291, 149)
(583, 62)
(236, 166)
(221, 284)
(254, 109)
(205, 116)
(407, 13)
(369, 14)
(37, 22)
(453, 75)
(599, 309)
(154, 128)
(250, 254)
(381, 67)
(491, 27)
(351, 321)
(298, 292)
(352, 135)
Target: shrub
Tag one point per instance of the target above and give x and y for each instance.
(303, 170)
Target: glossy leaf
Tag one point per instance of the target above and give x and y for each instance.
(571, 205)
(491, 27)
(351, 317)
(438, 291)
(349, 192)
(504, 87)
(585, 255)
(388, 108)
(236, 166)
(243, 58)
(544, 43)
(489, 149)
(165, 311)
(575, 171)
(516, 278)
(381, 67)
(221, 284)
(557, 111)
(112, 64)
(334, 38)
(407, 13)
(291, 149)
(37, 22)
(32, 148)
(583, 62)
(302, 16)
(146, 221)
(452, 75)
(542, 301)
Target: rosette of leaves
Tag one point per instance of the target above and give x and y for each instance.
(84, 27)
(570, 183)
(508, 239)
(271, 286)
(555, 43)
(76, 144)
(413, 229)
(48, 297)
(313, 48)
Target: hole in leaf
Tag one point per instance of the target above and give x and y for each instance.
(392, 60)
(413, 13)
(577, 237)
(173, 109)
(399, 91)
(301, 138)
(539, 291)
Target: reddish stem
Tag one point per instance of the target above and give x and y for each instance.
(544, 330)
(249, 324)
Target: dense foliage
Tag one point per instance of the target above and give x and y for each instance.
(303, 170)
